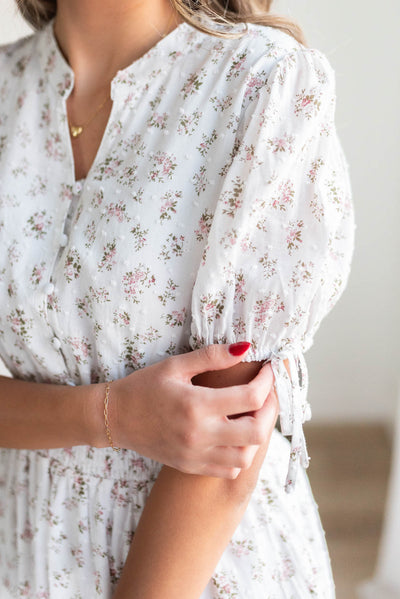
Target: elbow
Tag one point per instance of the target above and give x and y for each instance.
(239, 490)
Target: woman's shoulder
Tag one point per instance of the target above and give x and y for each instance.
(16, 56)
(262, 50)
(258, 43)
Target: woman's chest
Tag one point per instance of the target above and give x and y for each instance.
(125, 248)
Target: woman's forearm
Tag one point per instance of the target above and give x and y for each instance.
(188, 521)
(44, 416)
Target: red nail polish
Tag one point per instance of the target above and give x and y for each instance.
(238, 349)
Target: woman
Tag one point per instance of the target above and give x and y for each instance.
(170, 180)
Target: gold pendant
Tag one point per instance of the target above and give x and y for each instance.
(75, 131)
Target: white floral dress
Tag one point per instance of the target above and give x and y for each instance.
(217, 209)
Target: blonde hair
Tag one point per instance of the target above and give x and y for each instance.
(221, 12)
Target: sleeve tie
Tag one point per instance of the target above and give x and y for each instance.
(294, 407)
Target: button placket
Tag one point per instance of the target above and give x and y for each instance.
(56, 343)
(49, 287)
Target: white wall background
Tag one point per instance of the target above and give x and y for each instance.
(355, 362)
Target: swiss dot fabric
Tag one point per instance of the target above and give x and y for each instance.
(218, 209)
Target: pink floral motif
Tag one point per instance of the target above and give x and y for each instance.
(200, 180)
(37, 273)
(45, 118)
(264, 309)
(241, 548)
(225, 585)
(269, 265)
(237, 66)
(284, 196)
(308, 103)
(139, 236)
(302, 273)
(158, 120)
(212, 306)
(97, 199)
(206, 143)
(122, 318)
(188, 123)
(51, 61)
(175, 318)
(193, 83)
(54, 147)
(108, 261)
(116, 210)
(164, 166)
(246, 244)
(21, 100)
(20, 324)
(173, 247)
(27, 534)
(221, 104)
(169, 293)
(66, 193)
(204, 225)
(233, 200)
(81, 348)
(293, 237)
(283, 143)
(134, 282)
(169, 204)
(72, 265)
(109, 168)
(131, 356)
(240, 287)
(64, 84)
(313, 171)
(37, 224)
(53, 303)
(90, 233)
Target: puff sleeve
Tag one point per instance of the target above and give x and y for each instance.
(280, 245)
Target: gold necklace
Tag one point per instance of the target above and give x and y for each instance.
(162, 35)
(76, 130)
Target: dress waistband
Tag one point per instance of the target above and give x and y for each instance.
(86, 461)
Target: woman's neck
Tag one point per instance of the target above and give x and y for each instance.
(100, 38)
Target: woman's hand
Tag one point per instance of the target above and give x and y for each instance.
(159, 413)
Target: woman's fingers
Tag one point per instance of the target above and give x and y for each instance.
(233, 457)
(248, 430)
(238, 399)
(197, 429)
(211, 357)
(220, 472)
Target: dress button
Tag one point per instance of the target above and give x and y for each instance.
(56, 343)
(78, 187)
(63, 240)
(49, 288)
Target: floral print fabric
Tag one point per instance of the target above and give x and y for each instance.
(217, 209)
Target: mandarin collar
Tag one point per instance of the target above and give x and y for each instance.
(178, 44)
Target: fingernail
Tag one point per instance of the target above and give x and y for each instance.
(238, 349)
(236, 473)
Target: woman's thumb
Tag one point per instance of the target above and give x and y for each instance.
(215, 357)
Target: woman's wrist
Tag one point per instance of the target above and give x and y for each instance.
(93, 417)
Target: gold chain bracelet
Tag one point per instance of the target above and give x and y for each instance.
(106, 422)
